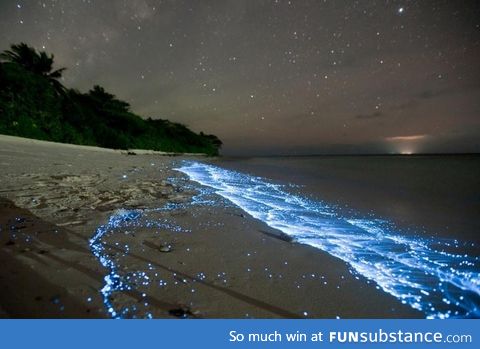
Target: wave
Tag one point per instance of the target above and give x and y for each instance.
(434, 276)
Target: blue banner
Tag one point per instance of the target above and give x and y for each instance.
(69, 334)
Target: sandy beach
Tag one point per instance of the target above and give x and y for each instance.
(181, 255)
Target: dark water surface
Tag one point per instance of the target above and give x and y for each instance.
(431, 195)
(407, 223)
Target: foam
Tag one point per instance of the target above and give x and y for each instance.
(431, 275)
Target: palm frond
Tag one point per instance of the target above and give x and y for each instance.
(56, 74)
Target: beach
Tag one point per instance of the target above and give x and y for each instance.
(174, 252)
(405, 223)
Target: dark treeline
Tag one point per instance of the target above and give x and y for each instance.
(34, 104)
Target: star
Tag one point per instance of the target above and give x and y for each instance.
(288, 60)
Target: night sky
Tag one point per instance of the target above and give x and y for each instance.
(271, 77)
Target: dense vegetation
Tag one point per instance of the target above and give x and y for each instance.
(34, 104)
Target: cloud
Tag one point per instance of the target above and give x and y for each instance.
(428, 94)
(406, 138)
(452, 90)
(374, 115)
(136, 9)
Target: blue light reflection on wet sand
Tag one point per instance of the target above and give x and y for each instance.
(113, 280)
(434, 276)
(117, 279)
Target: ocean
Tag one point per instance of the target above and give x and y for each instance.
(408, 223)
(426, 195)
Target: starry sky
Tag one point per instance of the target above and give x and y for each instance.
(276, 76)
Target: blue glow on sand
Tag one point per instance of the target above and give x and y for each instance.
(113, 281)
(118, 278)
(431, 275)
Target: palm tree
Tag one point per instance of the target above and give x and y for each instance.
(39, 63)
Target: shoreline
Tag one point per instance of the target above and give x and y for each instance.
(39, 142)
(201, 259)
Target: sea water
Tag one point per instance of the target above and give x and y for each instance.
(358, 220)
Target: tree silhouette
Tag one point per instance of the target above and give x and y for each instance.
(106, 101)
(39, 63)
(34, 104)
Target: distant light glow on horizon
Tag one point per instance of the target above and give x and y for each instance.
(406, 138)
(273, 77)
(407, 145)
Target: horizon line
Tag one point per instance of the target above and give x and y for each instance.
(359, 154)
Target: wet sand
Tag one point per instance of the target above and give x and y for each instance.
(194, 259)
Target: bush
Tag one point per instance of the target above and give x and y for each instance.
(34, 104)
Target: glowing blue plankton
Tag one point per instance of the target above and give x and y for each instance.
(432, 276)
